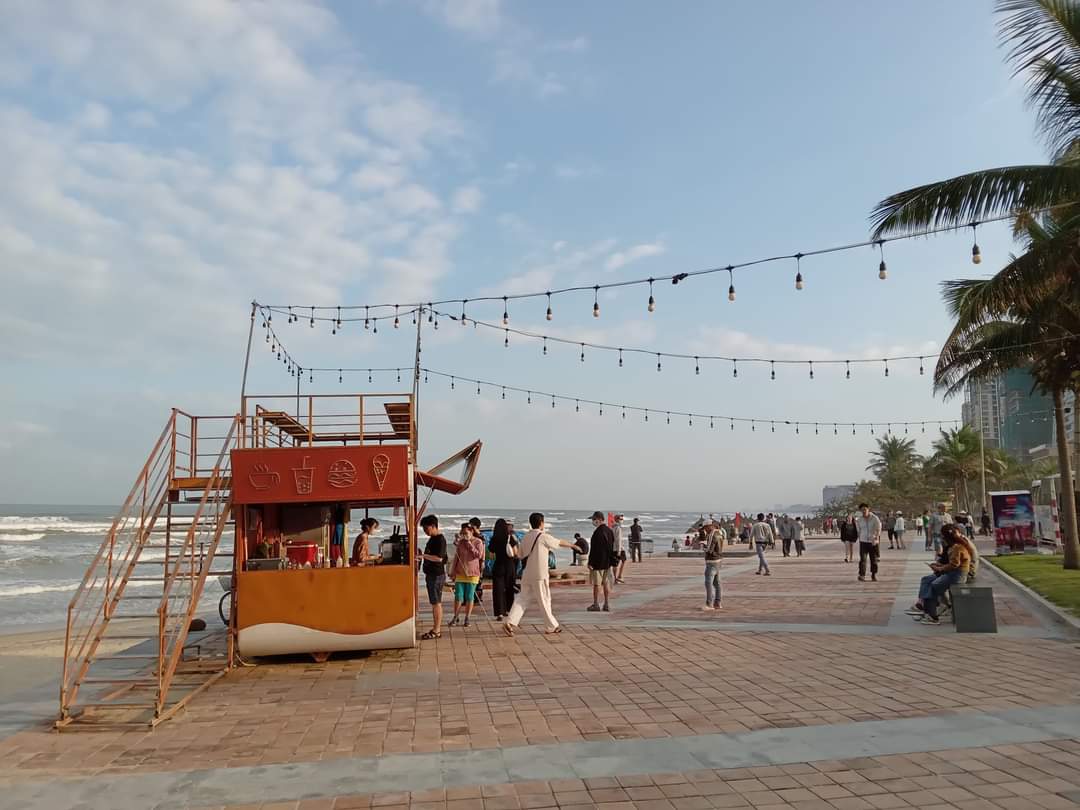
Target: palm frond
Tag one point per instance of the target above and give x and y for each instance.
(983, 352)
(1043, 38)
(976, 196)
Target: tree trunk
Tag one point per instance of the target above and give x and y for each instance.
(1066, 499)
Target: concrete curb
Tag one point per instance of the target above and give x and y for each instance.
(1045, 603)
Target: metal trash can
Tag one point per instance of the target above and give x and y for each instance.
(973, 609)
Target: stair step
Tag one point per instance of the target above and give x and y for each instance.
(119, 680)
(125, 657)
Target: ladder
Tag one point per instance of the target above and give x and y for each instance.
(130, 657)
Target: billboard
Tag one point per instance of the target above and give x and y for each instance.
(1014, 519)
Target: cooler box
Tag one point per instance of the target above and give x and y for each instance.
(300, 553)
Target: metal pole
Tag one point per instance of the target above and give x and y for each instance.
(982, 469)
(247, 354)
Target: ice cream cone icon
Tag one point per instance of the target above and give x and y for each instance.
(380, 465)
(304, 476)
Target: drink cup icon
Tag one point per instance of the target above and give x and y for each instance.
(304, 476)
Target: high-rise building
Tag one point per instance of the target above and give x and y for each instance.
(982, 409)
(1027, 414)
(836, 492)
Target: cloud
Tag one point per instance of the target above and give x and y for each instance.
(93, 116)
(481, 18)
(624, 257)
(578, 44)
(467, 200)
(412, 199)
(375, 177)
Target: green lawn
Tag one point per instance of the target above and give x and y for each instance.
(1045, 576)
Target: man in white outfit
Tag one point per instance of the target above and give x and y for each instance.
(535, 588)
(620, 549)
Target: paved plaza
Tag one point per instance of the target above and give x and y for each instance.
(808, 689)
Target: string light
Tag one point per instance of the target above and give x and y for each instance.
(731, 283)
(582, 352)
(504, 392)
(652, 301)
(506, 313)
(549, 315)
(430, 313)
(620, 358)
(596, 301)
(734, 368)
(367, 318)
(545, 347)
(886, 362)
(798, 271)
(464, 320)
(772, 370)
(657, 361)
(847, 374)
(313, 317)
(339, 377)
(976, 254)
(697, 367)
(678, 277)
(506, 340)
(811, 369)
(920, 367)
(882, 272)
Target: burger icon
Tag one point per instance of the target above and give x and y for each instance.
(342, 474)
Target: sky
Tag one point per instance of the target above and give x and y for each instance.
(168, 163)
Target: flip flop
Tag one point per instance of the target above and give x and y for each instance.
(553, 632)
(509, 630)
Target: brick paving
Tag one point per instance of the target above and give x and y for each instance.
(1013, 777)
(605, 679)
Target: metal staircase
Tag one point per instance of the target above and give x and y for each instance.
(129, 655)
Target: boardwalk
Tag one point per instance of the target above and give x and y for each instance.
(809, 690)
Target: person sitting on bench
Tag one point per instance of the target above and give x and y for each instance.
(954, 568)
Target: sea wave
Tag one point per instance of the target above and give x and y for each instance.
(28, 537)
(26, 590)
(51, 523)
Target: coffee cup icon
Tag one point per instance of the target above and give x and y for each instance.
(304, 475)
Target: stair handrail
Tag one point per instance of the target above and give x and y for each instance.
(109, 571)
(173, 624)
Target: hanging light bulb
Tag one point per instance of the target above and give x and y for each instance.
(451, 383)
(478, 389)
(506, 340)
(338, 324)
(734, 368)
(552, 400)
(545, 346)
(921, 371)
(669, 418)
(577, 406)
(506, 313)
(397, 322)
(886, 362)
(847, 374)
(464, 320)
(646, 416)
(652, 301)
(601, 408)
(549, 315)
(732, 424)
(697, 366)
(772, 370)
(620, 358)
(753, 426)
(798, 271)
(369, 378)
(772, 426)
(811, 369)
(399, 375)
(596, 301)
(731, 283)
(367, 318)
(504, 392)
(976, 254)
(528, 400)
(835, 432)
(882, 272)
(312, 322)
(339, 378)
(582, 352)
(853, 430)
(430, 313)
(311, 377)
(624, 412)
(710, 422)
(658, 361)
(436, 322)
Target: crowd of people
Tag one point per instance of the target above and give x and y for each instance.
(520, 572)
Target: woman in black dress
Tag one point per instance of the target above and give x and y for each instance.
(503, 571)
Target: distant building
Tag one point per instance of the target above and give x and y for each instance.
(982, 409)
(836, 492)
(1027, 415)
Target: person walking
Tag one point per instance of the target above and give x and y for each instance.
(890, 523)
(849, 536)
(535, 584)
(898, 529)
(503, 571)
(938, 521)
(620, 548)
(635, 541)
(919, 525)
(797, 530)
(762, 537)
(601, 561)
(468, 559)
(434, 568)
(714, 552)
(869, 527)
(784, 524)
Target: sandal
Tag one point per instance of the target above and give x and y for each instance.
(465, 623)
(508, 629)
(453, 622)
(430, 634)
(553, 632)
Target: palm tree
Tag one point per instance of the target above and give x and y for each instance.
(997, 329)
(894, 458)
(1044, 44)
(956, 459)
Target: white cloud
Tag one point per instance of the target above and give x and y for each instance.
(374, 177)
(578, 44)
(624, 257)
(93, 116)
(412, 199)
(467, 200)
(477, 17)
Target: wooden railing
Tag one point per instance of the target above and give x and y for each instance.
(96, 598)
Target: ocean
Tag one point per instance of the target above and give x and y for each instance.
(45, 550)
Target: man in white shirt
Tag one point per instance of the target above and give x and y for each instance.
(535, 588)
(620, 548)
(761, 536)
(869, 527)
(898, 529)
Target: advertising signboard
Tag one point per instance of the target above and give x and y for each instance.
(1014, 519)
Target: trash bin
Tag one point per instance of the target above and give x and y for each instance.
(973, 609)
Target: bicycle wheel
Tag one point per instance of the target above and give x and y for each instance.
(223, 605)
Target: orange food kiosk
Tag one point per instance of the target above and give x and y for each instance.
(302, 480)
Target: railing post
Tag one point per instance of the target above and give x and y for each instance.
(310, 420)
(194, 461)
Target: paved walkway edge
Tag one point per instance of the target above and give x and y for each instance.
(583, 760)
